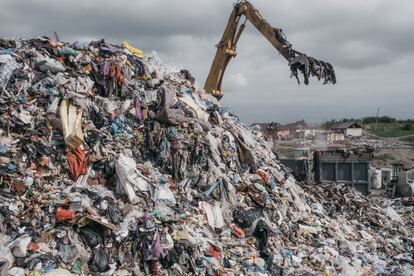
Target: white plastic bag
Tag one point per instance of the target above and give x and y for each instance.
(130, 179)
(19, 247)
(164, 195)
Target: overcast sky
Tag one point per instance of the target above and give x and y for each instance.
(370, 43)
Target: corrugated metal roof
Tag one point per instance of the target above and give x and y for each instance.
(345, 125)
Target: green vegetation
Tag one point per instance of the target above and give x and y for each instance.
(391, 129)
(382, 119)
(407, 127)
(367, 121)
(329, 124)
(386, 126)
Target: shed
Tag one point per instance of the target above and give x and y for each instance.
(349, 129)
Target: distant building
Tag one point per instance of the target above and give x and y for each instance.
(276, 131)
(283, 132)
(312, 131)
(349, 129)
(333, 137)
(328, 137)
(296, 130)
(268, 130)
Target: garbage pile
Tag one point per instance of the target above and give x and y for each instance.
(404, 208)
(112, 163)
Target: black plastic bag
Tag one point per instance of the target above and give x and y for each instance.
(99, 260)
(172, 256)
(246, 218)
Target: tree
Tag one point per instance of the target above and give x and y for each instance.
(407, 126)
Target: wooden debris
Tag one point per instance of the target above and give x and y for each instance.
(71, 118)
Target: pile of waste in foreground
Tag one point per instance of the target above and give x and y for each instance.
(113, 163)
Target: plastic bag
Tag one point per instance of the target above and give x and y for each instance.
(133, 50)
(81, 45)
(245, 219)
(163, 194)
(99, 260)
(130, 179)
(19, 247)
(172, 256)
(47, 64)
(213, 214)
(67, 51)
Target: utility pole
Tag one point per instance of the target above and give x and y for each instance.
(376, 120)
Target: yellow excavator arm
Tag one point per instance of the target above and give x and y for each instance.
(226, 49)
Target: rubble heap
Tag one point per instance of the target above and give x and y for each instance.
(111, 162)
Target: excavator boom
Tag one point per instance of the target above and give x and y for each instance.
(226, 49)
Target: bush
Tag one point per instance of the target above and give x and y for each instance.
(407, 126)
(382, 119)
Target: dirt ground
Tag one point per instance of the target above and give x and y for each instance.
(392, 155)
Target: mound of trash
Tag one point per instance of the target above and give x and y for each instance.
(112, 163)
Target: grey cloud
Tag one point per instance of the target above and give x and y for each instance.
(353, 34)
(369, 43)
(114, 18)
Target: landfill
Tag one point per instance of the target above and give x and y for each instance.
(112, 163)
